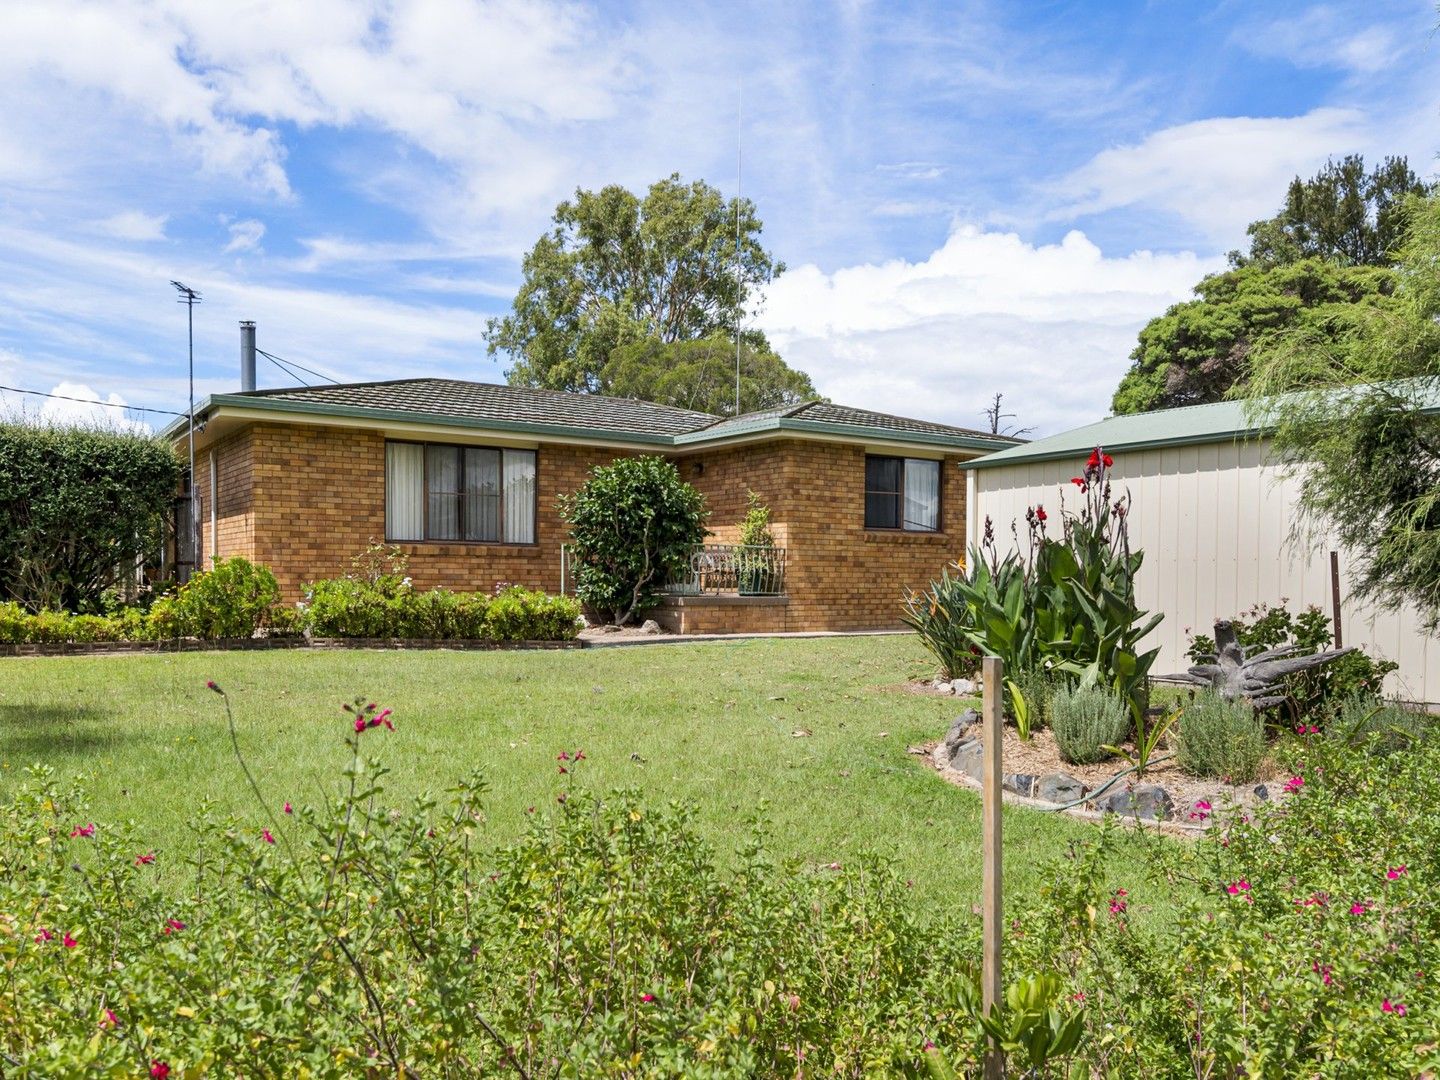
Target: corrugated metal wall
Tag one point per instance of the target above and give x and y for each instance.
(1215, 523)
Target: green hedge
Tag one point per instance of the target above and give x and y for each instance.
(237, 598)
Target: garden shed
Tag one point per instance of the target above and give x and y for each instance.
(1214, 515)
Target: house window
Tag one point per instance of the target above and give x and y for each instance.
(902, 493)
(462, 493)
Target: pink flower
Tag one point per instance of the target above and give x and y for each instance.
(1314, 900)
(1201, 811)
(647, 998)
(563, 769)
(1118, 903)
(1238, 887)
(69, 942)
(172, 926)
(1324, 971)
(1359, 908)
(43, 936)
(1392, 1007)
(146, 859)
(928, 1046)
(1395, 872)
(83, 830)
(1294, 784)
(382, 717)
(359, 724)
(289, 809)
(1078, 996)
(267, 836)
(564, 755)
(210, 684)
(108, 1019)
(159, 1070)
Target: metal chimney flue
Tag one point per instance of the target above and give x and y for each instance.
(247, 356)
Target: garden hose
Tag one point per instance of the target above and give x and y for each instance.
(1103, 787)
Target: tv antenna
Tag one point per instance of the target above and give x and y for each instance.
(190, 297)
(739, 290)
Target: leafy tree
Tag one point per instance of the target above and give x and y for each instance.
(700, 375)
(633, 524)
(1352, 405)
(1341, 213)
(1199, 349)
(79, 508)
(1331, 245)
(617, 269)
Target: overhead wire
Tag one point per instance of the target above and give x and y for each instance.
(88, 401)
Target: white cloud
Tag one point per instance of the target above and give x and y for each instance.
(74, 404)
(1217, 174)
(134, 225)
(245, 236)
(1324, 37)
(1050, 326)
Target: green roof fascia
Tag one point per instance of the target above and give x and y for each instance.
(1004, 457)
(820, 427)
(310, 408)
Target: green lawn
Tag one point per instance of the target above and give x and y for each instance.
(707, 723)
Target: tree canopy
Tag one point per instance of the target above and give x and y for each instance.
(700, 375)
(1329, 250)
(1351, 404)
(619, 270)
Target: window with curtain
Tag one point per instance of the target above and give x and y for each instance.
(469, 493)
(902, 493)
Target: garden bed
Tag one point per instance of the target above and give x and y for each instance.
(1197, 802)
(92, 648)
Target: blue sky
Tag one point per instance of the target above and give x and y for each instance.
(971, 198)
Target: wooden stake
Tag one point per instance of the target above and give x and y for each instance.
(991, 902)
(1335, 597)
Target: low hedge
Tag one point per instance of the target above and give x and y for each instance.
(237, 598)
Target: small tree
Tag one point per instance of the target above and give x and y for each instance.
(632, 525)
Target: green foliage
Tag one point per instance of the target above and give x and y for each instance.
(1341, 214)
(1381, 726)
(700, 375)
(1149, 734)
(1086, 720)
(353, 938)
(78, 510)
(1221, 739)
(1199, 350)
(633, 524)
(1020, 709)
(755, 526)
(617, 270)
(230, 600)
(388, 607)
(1305, 939)
(1063, 606)
(1313, 695)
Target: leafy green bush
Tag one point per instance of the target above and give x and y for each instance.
(1066, 606)
(78, 507)
(350, 939)
(390, 608)
(1304, 941)
(230, 600)
(526, 615)
(1221, 739)
(633, 525)
(1382, 726)
(1086, 720)
(14, 622)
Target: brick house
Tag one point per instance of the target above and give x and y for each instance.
(464, 477)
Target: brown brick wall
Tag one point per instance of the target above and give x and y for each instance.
(316, 497)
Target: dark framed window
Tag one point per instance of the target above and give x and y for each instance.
(470, 494)
(902, 493)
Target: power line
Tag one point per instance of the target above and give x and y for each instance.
(283, 368)
(88, 401)
(302, 367)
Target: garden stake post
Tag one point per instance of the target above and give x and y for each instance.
(991, 903)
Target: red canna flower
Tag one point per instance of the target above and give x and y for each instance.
(1040, 514)
(1107, 460)
(146, 859)
(1078, 481)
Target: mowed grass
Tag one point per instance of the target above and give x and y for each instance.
(710, 724)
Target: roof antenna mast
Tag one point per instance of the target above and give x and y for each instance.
(189, 297)
(739, 289)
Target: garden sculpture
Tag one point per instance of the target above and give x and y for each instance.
(1257, 678)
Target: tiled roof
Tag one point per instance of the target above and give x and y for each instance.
(489, 401)
(826, 413)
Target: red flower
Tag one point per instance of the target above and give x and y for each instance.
(1107, 460)
(83, 830)
(647, 998)
(1040, 514)
(359, 724)
(289, 809)
(1094, 461)
(564, 755)
(382, 717)
(109, 1020)
(43, 936)
(1078, 481)
(146, 859)
(1392, 1007)
(172, 926)
(159, 1070)
(210, 685)
(69, 942)
(267, 836)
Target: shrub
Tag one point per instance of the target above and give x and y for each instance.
(523, 615)
(14, 622)
(1065, 606)
(1381, 726)
(353, 939)
(1087, 719)
(230, 600)
(633, 525)
(78, 508)
(1221, 739)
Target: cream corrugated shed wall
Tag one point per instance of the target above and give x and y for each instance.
(1215, 523)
